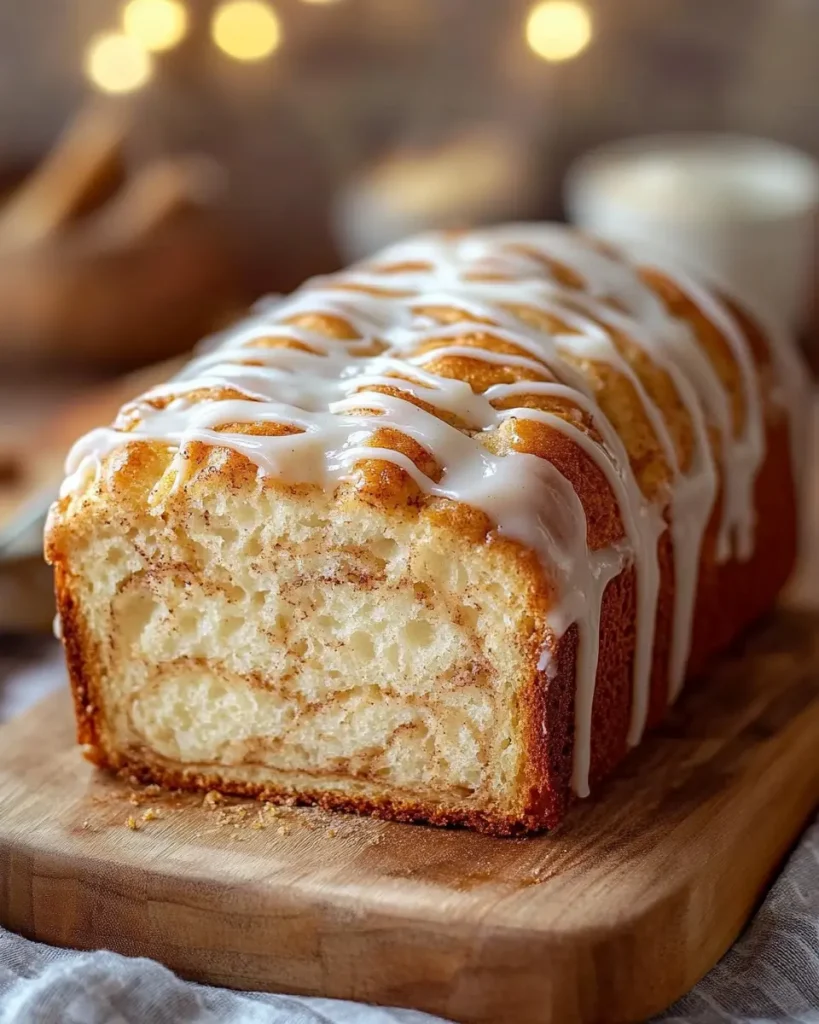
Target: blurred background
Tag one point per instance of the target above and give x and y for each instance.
(165, 162)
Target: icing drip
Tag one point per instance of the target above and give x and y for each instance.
(321, 387)
(748, 450)
(692, 500)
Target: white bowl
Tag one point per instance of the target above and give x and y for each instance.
(741, 210)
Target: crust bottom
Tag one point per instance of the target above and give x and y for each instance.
(385, 808)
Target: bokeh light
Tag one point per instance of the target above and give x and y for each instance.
(156, 24)
(557, 30)
(117, 63)
(246, 29)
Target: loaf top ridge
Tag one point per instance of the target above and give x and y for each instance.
(455, 365)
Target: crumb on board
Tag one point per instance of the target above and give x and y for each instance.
(232, 816)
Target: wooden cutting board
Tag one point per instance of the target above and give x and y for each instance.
(610, 918)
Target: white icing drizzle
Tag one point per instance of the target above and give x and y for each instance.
(325, 394)
(748, 450)
(692, 501)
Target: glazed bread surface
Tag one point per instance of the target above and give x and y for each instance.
(435, 538)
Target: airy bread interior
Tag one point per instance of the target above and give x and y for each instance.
(287, 638)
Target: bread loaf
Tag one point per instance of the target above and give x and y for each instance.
(436, 538)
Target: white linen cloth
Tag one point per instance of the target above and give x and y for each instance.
(771, 975)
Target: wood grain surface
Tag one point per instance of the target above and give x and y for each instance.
(610, 918)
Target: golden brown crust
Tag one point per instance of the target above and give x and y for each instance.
(77, 645)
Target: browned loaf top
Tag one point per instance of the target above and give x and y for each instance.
(437, 537)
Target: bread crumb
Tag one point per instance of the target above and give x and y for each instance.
(283, 830)
(86, 823)
(332, 832)
(151, 814)
(235, 815)
(152, 790)
(375, 841)
(211, 799)
(132, 824)
(134, 799)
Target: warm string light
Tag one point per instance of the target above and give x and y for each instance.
(249, 30)
(558, 30)
(119, 62)
(116, 63)
(246, 30)
(156, 24)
